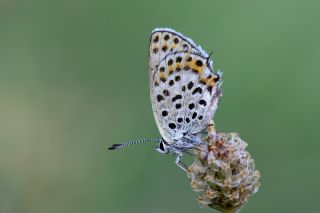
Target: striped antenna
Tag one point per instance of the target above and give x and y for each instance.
(121, 145)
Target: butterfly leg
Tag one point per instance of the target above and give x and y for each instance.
(181, 164)
(212, 134)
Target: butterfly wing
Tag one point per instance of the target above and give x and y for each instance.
(184, 90)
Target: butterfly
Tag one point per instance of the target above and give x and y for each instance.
(184, 92)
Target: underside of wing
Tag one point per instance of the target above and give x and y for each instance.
(184, 93)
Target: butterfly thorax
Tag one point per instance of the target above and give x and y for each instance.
(181, 145)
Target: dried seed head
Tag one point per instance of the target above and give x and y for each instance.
(223, 173)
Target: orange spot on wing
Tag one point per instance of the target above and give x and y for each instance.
(162, 75)
(203, 80)
(211, 81)
(200, 69)
(193, 66)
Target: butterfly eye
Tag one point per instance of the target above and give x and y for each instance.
(162, 147)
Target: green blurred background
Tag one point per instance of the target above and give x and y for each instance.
(74, 79)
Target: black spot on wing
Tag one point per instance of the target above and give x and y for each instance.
(177, 97)
(202, 102)
(197, 90)
(172, 126)
(166, 92)
(160, 98)
(194, 115)
(191, 106)
(162, 69)
(199, 63)
(178, 106)
(155, 50)
(216, 78)
(190, 85)
(164, 48)
(156, 39)
(164, 113)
